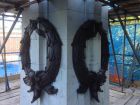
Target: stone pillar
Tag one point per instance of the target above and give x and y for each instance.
(56, 12)
(66, 16)
(76, 16)
(30, 13)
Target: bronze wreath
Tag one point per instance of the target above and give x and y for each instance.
(42, 79)
(86, 78)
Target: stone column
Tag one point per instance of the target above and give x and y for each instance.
(56, 12)
(76, 16)
(67, 16)
(30, 13)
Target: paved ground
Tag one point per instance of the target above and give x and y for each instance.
(13, 85)
(129, 97)
(11, 97)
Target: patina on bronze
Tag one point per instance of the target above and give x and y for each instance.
(42, 79)
(87, 78)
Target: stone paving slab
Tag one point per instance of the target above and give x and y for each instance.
(130, 96)
(11, 97)
(13, 85)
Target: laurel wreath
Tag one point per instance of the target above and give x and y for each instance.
(89, 79)
(42, 79)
